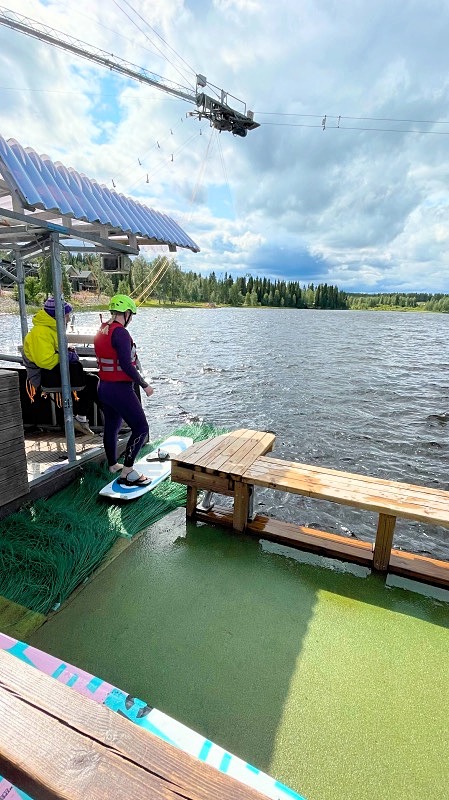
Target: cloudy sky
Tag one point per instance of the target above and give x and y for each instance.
(345, 181)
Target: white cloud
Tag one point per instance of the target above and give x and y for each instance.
(364, 205)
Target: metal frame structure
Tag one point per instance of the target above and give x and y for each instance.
(218, 111)
(45, 207)
(25, 239)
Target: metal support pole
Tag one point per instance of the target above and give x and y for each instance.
(56, 271)
(21, 291)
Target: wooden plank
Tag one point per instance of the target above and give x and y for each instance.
(205, 454)
(298, 536)
(241, 453)
(420, 568)
(272, 466)
(8, 379)
(384, 542)
(202, 480)
(197, 453)
(432, 507)
(14, 433)
(55, 743)
(18, 621)
(12, 449)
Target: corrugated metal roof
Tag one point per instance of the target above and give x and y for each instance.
(42, 184)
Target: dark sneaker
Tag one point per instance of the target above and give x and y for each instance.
(82, 427)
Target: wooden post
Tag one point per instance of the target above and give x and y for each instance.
(384, 542)
(192, 498)
(241, 505)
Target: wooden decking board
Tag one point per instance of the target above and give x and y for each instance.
(240, 454)
(230, 444)
(381, 496)
(220, 453)
(417, 567)
(374, 503)
(76, 748)
(196, 452)
(228, 447)
(236, 443)
(275, 465)
(297, 536)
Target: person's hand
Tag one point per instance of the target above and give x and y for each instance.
(148, 391)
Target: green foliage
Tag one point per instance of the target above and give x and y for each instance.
(123, 287)
(32, 288)
(423, 301)
(46, 278)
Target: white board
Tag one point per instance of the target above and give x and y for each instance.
(156, 470)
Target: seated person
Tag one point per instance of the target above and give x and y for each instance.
(41, 359)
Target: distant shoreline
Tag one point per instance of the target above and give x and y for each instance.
(10, 306)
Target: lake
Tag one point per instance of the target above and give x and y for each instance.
(356, 391)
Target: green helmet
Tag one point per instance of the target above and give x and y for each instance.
(122, 303)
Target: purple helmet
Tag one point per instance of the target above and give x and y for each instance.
(49, 307)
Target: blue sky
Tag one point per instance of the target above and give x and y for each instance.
(362, 203)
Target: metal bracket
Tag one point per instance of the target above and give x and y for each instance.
(206, 503)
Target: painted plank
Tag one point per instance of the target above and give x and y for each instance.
(55, 743)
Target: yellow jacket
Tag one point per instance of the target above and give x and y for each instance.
(41, 342)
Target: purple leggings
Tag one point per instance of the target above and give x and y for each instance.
(120, 402)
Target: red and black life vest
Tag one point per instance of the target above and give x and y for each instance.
(107, 360)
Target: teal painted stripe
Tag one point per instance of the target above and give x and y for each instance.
(23, 795)
(72, 680)
(225, 761)
(205, 750)
(18, 650)
(288, 792)
(94, 684)
(252, 769)
(59, 670)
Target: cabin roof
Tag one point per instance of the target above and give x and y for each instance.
(52, 191)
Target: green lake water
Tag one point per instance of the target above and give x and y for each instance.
(323, 677)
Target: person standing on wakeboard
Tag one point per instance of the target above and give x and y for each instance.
(117, 360)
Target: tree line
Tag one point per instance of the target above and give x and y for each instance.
(175, 285)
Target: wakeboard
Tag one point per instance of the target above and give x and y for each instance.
(155, 465)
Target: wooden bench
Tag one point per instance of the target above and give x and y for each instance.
(389, 499)
(233, 464)
(218, 464)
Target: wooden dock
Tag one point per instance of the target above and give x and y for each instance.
(235, 463)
